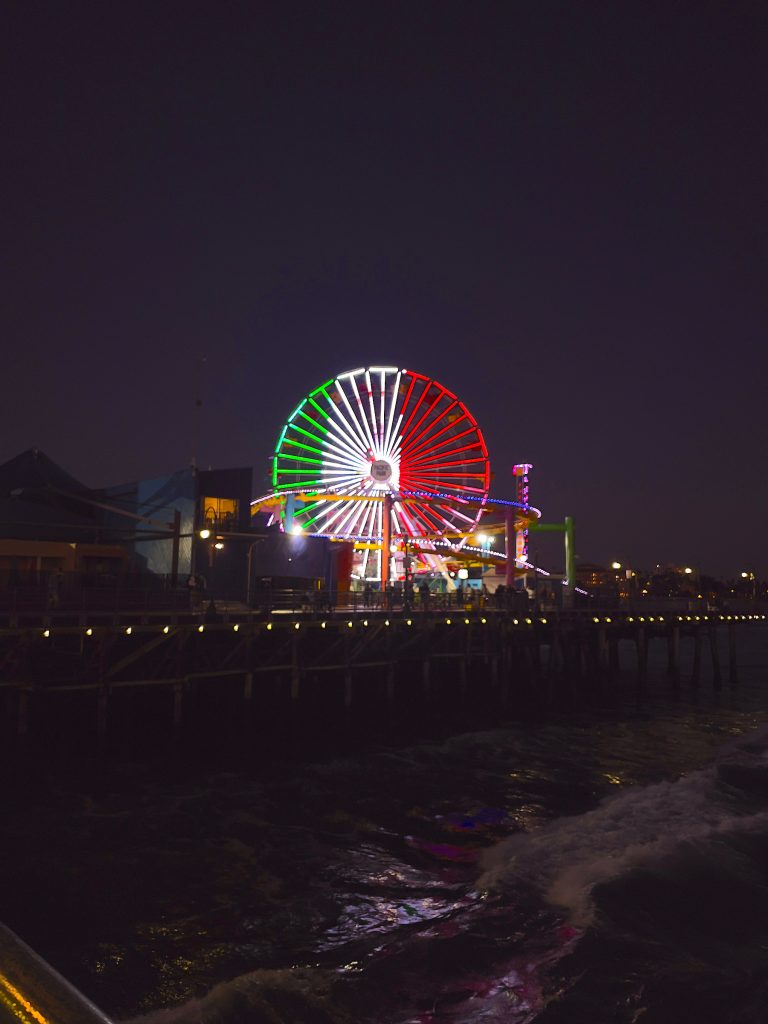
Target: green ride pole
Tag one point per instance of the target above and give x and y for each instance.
(570, 562)
(570, 553)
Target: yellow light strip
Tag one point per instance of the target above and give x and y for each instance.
(24, 1002)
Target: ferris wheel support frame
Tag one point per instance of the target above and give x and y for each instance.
(386, 539)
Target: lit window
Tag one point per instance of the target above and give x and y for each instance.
(222, 513)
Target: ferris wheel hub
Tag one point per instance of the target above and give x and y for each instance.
(381, 471)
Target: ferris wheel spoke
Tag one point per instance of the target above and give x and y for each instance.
(369, 523)
(413, 378)
(303, 458)
(344, 434)
(341, 437)
(364, 569)
(296, 443)
(396, 522)
(363, 418)
(382, 405)
(444, 461)
(342, 468)
(327, 507)
(407, 519)
(341, 485)
(306, 509)
(393, 452)
(360, 429)
(408, 436)
(301, 445)
(351, 524)
(355, 460)
(419, 512)
(463, 464)
(439, 520)
(470, 431)
(440, 477)
(305, 433)
(313, 422)
(393, 407)
(368, 518)
(318, 408)
(458, 488)
(340, 426)
(415, 438)
(429, 442)
(327, 516)
(432, 443)
(373, 421)
(343, 473)
(343, 510)
(472, 520)
(425, 388)
(431, 457)
(374, 424)
(415, 528)
(342, 458)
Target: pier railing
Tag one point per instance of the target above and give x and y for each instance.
(32, 991)
(27, 593)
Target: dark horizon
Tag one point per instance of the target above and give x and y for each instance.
(558, 213)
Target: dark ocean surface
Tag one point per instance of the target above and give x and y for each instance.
(608, 866)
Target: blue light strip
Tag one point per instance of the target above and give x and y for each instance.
(418, 494)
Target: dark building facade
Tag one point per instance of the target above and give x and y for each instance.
(194, 521)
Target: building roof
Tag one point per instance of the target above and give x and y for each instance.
(32, 470)
(39, 499)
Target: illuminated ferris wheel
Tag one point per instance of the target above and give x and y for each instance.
(377, 435)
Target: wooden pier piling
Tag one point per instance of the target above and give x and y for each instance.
(733, 675)
(717, 681)
(641, 642)
(696, 669)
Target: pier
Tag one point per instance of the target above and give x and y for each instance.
(129, 685)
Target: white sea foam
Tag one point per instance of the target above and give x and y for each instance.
(638, 828)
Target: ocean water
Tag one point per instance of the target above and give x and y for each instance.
(607, 866)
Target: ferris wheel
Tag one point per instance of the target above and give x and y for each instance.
(382, 434)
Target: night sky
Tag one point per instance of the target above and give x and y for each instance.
(558, 210)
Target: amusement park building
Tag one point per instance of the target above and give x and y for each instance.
(188, 522)
(49, 522)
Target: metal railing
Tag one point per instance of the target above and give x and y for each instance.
(270, 600)
(32, 992)
(87, 591)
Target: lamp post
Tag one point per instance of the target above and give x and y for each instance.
(407, 577)
(749, 576)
